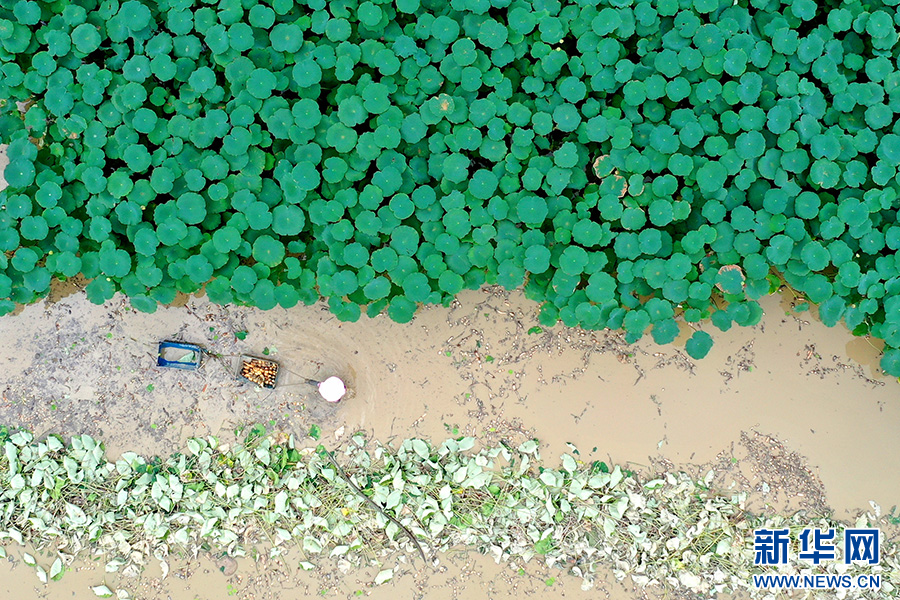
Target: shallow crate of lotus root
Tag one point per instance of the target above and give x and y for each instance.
(261, 371)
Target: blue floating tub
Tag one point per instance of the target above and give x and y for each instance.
(176, 355)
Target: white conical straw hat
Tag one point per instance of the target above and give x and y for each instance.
(332, 389)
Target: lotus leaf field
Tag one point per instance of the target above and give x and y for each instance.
(611, 156)
(669, 531)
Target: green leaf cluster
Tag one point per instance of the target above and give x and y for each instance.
(627, 163)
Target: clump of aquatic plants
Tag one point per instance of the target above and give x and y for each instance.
(611, 156)
(371, 500)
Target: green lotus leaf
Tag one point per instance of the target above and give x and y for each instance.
(566, 117)
(287, 296)
(19, 173)
(244, 279)
(268, 250)
(261, 82)
(463, 52)
(880, 25)
(413, 128)
(532, 210)
(263, 295)
(86, 38)
(633, 218)
(409, 7)
(825, 173)
(566, 156)
(347, 312)
(779, 249)
(27, 13)
(721, 319)
(650, 241)
(338, 30)
(171, 231)
(135, 15)
(483, 184)
(306, 176)
(370, 14)
(191, 208)
(351, 111)
(852, 212)
(219, 291)
(492, 34)
(451, 283)
(636, 323)
(699, 345)
(573, 260)
(341, 138)
(655, 273)
(137, 69)
(114, 262)
(34, 228)
(416, 287)
(199, 270)
(286, 38)
(262, 16)
(750, 145)
(537, 259)
(202, 80)
(456, 168)
(815, 256)
(588, 315)
(100, 290)
(659, 309)
(735, 62)
(18, 206)
(24, 259)
(587, 233)
(128, 97)
(818, 288)
(405, 240)
(377, 289)
(401, 309)
(307, 73)
(144, 303)
(384, 259)
(375, 98)
(445, 29)
(356, 255)
(146, 242)
(288, 220)
(665, 332)
(890, 362)
(37, 282)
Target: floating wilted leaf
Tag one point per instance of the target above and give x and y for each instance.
(543, 546)
(528, 447)
(420, 448)
(102, 591)
(310, 544)
(384, 576)
(56, 570)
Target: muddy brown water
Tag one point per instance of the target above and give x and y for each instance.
(792, 411)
